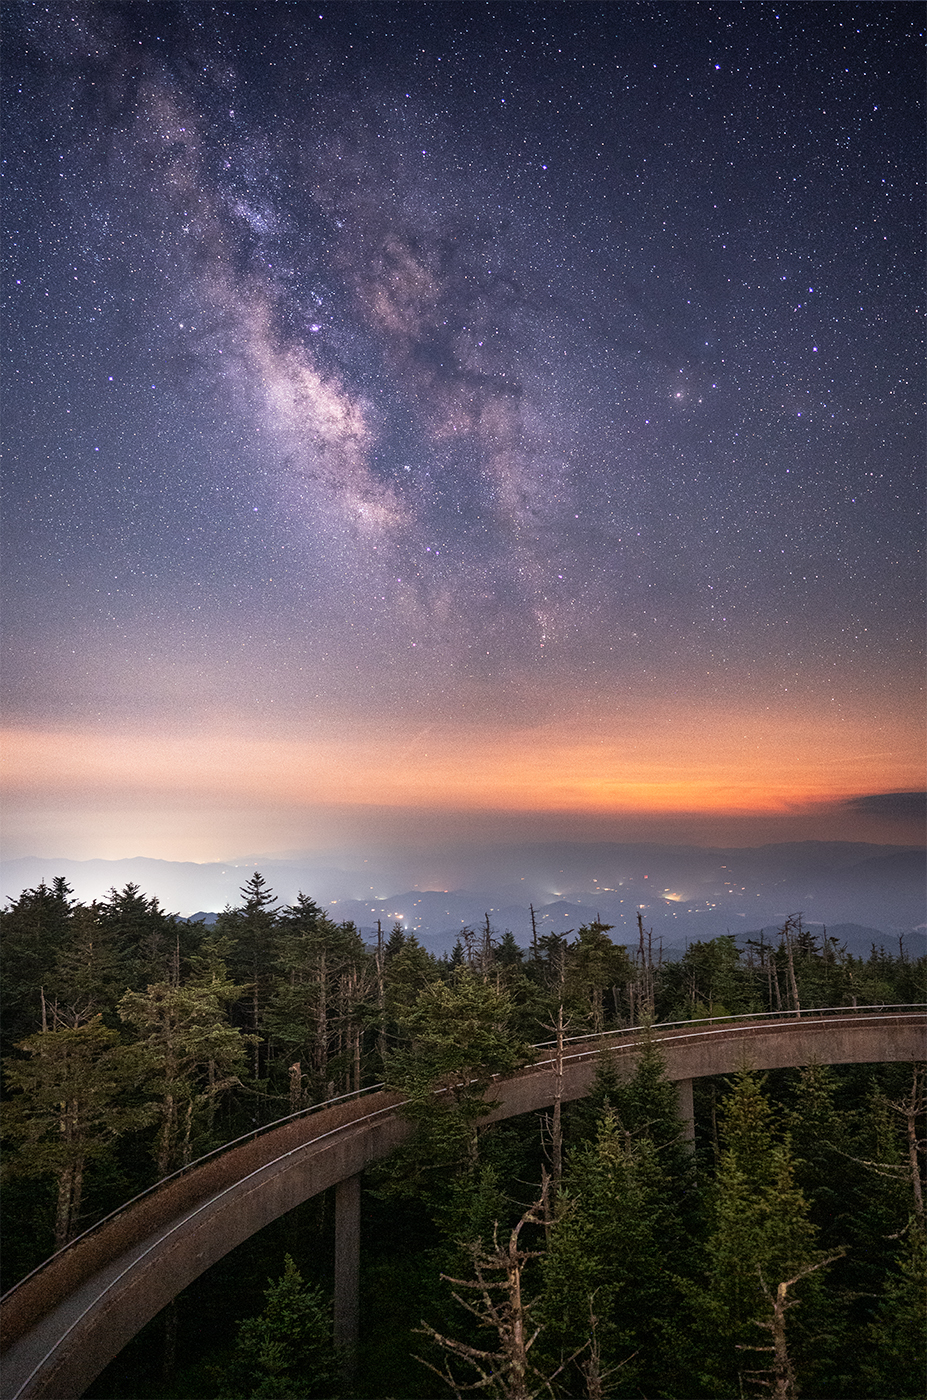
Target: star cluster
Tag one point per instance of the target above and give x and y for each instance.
(488, 367)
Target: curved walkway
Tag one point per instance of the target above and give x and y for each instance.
(64, 1323)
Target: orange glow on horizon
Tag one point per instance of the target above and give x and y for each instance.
(709, 762)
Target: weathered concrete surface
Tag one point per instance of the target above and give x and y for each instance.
(696, 1053)
(347, 1269)
(77, 1314)
(65, 1324)
(686, 1111)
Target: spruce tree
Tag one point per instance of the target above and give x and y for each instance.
(622, 1233)
(74, 1095)
(192, 1056)
(287, 1352)
(251, 926)
(89, 972)
(761, 1236)
(33, 930)
(594, 966)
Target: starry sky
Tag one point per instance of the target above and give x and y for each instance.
(461, 420)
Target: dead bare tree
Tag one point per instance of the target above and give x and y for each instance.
(499, 1304)
(780, 1378)
(591, 1368)
(381, 996)
(645, 961)
(791, 925)
(912, 1108)
(296, 1086)
(556, 1127)
(552, 1125)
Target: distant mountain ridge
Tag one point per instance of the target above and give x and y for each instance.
(855, 938)
(682, 892)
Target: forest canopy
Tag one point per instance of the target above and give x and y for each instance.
(587, 1251)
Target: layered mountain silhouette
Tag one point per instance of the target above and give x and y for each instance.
(862, 893)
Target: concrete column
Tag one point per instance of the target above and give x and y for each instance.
(686, 1112)
(347, 1268)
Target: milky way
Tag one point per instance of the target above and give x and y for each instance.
(466, 365)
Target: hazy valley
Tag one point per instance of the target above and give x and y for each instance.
(861, 892)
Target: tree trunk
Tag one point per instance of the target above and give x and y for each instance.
(187, 1128)
(775, 977)
(70, 1184)
(783, 1383)
(913, 1108)
(598, 1010)
(556, 1129)
(296, 1087)
(793, 985)
(211, 1102)
(381, 1000)
(166, 1136)
(255, 1015)
(517, 1351)
(321, 1022)
(783, 1375)
(592, 1366)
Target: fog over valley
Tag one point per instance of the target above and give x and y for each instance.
(858, 890)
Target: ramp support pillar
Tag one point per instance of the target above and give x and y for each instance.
(347, 1269)
(686, 1112)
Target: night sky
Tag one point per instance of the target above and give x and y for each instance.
(461, 419)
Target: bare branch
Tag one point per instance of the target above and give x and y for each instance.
(500, 1306)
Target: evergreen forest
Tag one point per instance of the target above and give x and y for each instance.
(587, 1251)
